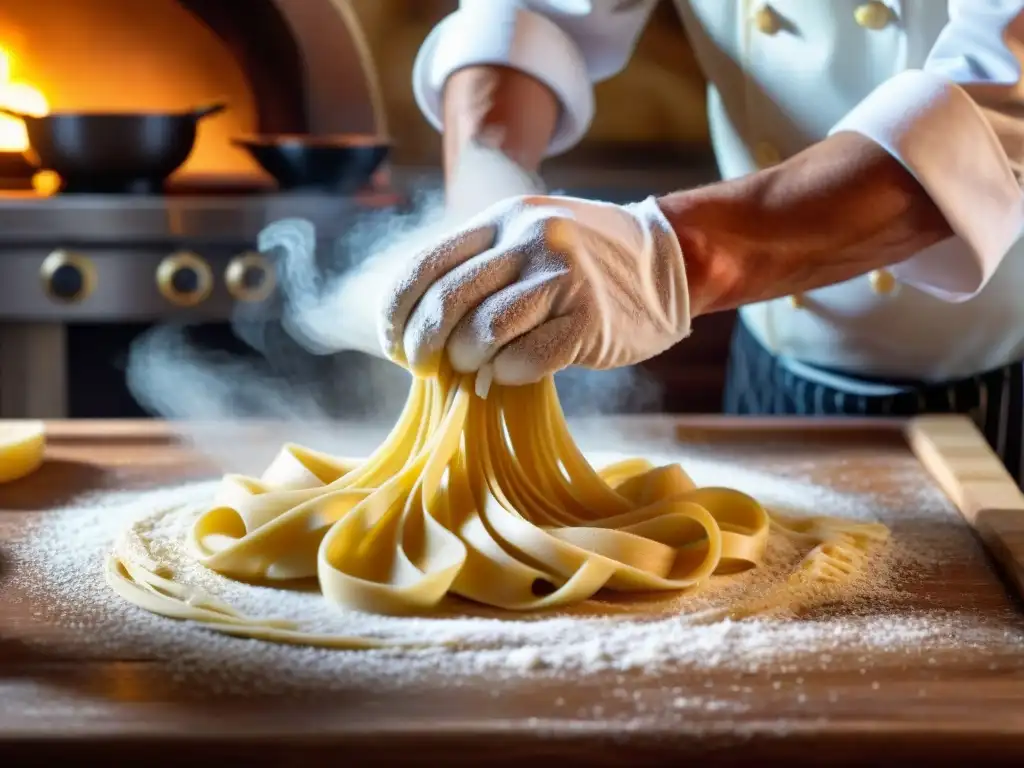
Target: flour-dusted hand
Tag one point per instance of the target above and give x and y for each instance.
(538, 283)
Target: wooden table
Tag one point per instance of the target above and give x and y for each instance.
(61, 699)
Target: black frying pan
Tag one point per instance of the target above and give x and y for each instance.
(112, 151)
(342, 163)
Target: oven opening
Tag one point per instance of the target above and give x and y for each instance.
(123, 56)
(116, 248)
(19, 94)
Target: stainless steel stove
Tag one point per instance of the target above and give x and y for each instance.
(81, 275)
(116, 260)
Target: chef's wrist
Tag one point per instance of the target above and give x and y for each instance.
(837, 210)
(707, 224)
(753, 239)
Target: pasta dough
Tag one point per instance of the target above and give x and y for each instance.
(487, 499)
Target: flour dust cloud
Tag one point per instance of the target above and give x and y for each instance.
(312, 358)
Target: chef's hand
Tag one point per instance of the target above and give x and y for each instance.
(538, 283)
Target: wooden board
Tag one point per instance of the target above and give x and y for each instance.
(62, 697)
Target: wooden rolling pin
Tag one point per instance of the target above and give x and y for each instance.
(955, 453)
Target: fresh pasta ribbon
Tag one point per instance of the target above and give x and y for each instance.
(488, 500)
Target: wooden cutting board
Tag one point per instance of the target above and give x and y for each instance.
(61, 698)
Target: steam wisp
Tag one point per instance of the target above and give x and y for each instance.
(313, 374)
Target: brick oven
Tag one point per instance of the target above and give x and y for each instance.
(82, 274)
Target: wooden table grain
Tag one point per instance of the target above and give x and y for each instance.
(61, 699)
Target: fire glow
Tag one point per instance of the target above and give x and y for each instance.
(21, 96)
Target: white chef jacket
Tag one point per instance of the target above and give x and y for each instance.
(938, 85)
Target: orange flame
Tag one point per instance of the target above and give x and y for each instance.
(20, 96)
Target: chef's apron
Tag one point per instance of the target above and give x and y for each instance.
(759, 383)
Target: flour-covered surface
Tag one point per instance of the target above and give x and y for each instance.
(903, 643)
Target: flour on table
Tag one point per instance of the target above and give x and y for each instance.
(58, 562)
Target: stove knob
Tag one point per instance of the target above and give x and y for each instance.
(184, 279)
(68, 277)
(250, 277)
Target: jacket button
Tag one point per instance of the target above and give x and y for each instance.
(767, 20)
(873, 15)
(883, 282)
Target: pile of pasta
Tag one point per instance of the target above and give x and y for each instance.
(486, 499)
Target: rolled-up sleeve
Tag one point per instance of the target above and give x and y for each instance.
(565, 44)
(956, 124)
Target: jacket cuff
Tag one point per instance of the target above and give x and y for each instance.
(934, 128)
(499, 33)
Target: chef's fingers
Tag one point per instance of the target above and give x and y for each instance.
(412, 279)
(449, 299)
(544, 351)
(501, 318)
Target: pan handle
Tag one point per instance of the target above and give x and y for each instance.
(14, 113)
(208, 110)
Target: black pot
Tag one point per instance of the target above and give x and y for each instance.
(112, 151)
(340, 164)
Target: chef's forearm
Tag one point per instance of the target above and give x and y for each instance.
(500, 107)
(839, 209)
